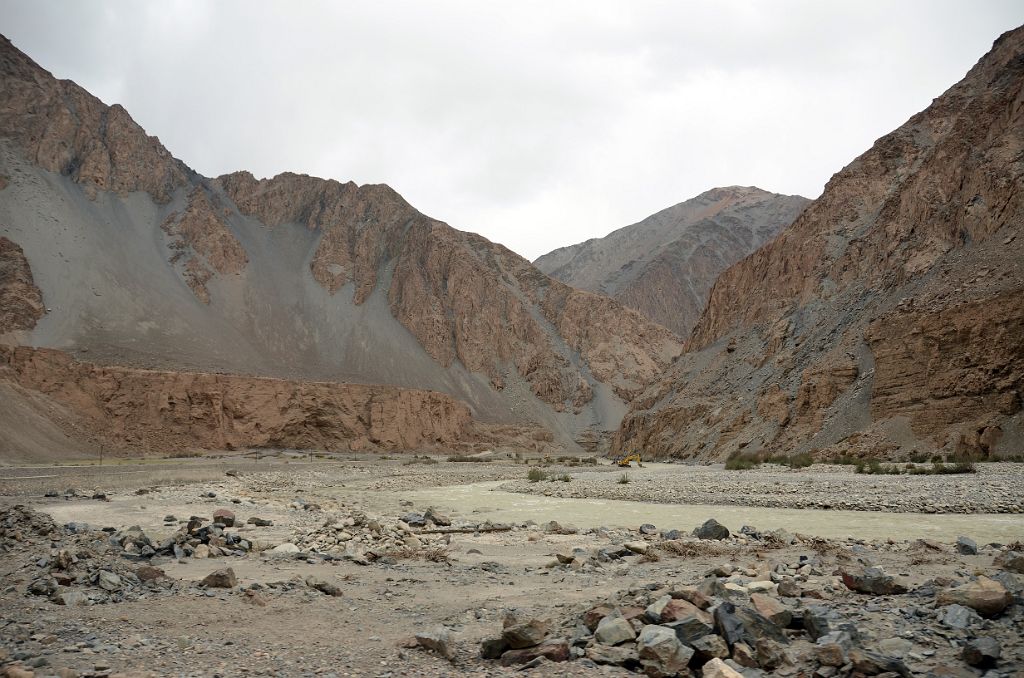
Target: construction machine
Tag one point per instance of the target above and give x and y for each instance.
(623, 460)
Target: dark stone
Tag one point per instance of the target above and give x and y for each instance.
(871, 580)
(966, 546)
(647, 528)
(872, 663)
(493, 648)
(414, 520)
(712, 529)
(982, 652)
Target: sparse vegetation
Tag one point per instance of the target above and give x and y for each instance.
(624, 479)
(741, 464)
(801, 460)
(185, 454)
(467, 457)
(536, 475)
(565, 478)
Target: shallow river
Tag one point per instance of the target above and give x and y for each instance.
(483, 501)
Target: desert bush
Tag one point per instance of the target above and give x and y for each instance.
(740, 464)
(565, 478)
(624, 479)
(536, 475)
(466, 457)
(185, 454)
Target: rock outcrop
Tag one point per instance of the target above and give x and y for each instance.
(665, 265)
(887, 319)
(166, 411)
(21, 303)
(463, 297)
(203, 244)
(62, 128)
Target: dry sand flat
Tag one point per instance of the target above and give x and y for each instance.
(276, 619)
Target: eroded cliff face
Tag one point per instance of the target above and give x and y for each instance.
(887, 319)
(203, 244)
(463, 297)
(21, 303)
(294, 276)
(153, 411)
(665, 265)
(63, 128)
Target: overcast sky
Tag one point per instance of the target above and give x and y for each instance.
(537, 124)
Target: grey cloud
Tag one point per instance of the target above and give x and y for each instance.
(536, 124)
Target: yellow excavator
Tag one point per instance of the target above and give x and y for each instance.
(623, 460)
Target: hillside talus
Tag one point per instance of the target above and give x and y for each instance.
(144, 263)
(161, 412)
(886, 320)
(665, 265)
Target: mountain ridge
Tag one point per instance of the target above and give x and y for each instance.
(664, 265)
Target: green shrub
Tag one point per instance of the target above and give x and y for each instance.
(536, 475)
(740, 464)
(565, 478)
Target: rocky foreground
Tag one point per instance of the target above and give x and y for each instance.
(289, 573)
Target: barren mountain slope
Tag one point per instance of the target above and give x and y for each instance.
(664, 266)
(142, 262)
(889, 317)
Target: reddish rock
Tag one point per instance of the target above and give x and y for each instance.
(21, 302)
(556, 650)
(225, 517)
(221, 579)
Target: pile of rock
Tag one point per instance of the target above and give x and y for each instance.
(791, 618)
(355, 536)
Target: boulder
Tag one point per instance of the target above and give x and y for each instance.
(772, 609)
(521, 632)
(660, 651)
(958, 617)
(149, 573)
(871, 580)
(654, 611)
(710, 646)
(640, 547)
(493, 648)
(688, 621)
(286, 548)
(618, 655)
(966, 546)
(985, 596)
(647, 528)
(225, 517)
(260, 522)
(712, 529)
(108, 581)
(436, 517)
(873, 663)
(437, 640)
(593, 616)
(614, 630)
(982, 652)
(555, 650)
(716, 668)
(71, 598)
(221, 579)
(1010, 560)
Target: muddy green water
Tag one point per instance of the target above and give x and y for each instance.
(483, 501)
